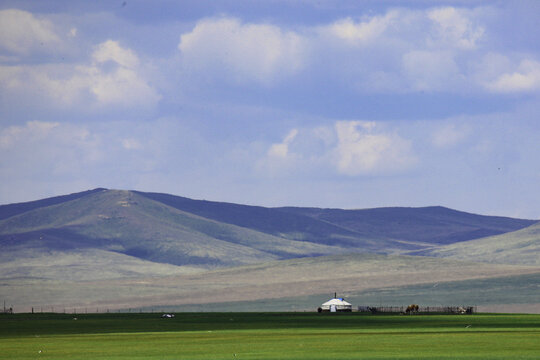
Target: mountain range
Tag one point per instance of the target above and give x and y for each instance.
(101, 237)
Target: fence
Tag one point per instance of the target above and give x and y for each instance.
(420, 310)
(88, 310)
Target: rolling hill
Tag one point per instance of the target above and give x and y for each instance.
(517, 247)
(121, 249)
(18, 208)
(175, 230)
(427, 225)
(130, 224)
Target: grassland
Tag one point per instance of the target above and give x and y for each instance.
(112, 249)
(269, 336)
(67, 283)
(518, 294)
(516, 247)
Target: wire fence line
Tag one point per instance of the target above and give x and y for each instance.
(171, 309)
(81, 310)
(419, 309)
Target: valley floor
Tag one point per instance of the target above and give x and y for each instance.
(290, 285)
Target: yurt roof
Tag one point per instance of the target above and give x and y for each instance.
(336, 302)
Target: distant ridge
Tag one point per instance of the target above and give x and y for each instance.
(19, 208)
(123, 248)
(521, 247)
(180, 231)
(432, 224)
(267, 220)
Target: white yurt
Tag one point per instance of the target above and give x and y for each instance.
(336, 304)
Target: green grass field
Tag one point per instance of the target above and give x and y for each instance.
(269, 336)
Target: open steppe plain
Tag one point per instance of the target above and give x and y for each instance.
(294, 284)
(269, 336)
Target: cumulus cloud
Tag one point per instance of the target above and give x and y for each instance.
(350, 148)
(361, 150)
(404, 50)
(279, 160)
(121, 85)
(363, 31)
(21, 33)
(245, 53)
(455, 27)
(111, 78)
(525, 78)
(281, 150)
(112, 51)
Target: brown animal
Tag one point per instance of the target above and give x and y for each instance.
(413, 308)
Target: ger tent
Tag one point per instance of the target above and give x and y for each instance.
(336, 304)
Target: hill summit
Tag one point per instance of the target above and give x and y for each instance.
(123, 249)
(176, 230)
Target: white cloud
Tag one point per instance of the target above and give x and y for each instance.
(112, 51)
(34, 130)
(363, 150)
(455, 27)
(122, 87)
(244, 52)
(365, 31)
(21, 33)
(404, 50)
(279, 160)
(450, 135)
(281, 150)
(112, 78)
(526, 78)
(351, 148)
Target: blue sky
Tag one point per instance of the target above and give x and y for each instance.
(350, 104)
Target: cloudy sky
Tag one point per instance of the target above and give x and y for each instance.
(329, 103)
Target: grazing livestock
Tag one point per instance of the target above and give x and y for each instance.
(412, 309)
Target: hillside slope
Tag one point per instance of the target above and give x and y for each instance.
(278, 223)
(122, 249)
(518, 247)
(127, 223)
(429, 225)
(80, 265)
(412, 227)
(19, 208)
(176, 230)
